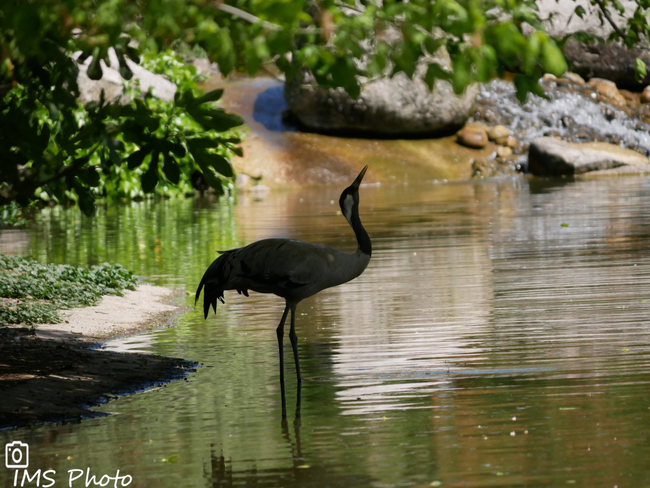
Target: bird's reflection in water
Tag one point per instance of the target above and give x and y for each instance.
(301, 473)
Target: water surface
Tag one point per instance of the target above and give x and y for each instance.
(499, 337)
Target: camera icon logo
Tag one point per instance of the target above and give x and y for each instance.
(16, 455)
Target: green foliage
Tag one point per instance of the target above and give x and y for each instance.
(60, 286)
(640, 71)
(30, 314)
(12, 215)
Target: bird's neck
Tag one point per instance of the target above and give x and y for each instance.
(365, 246)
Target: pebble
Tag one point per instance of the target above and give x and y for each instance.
(507, 141)
(472, 136)
(504, 151)
(645, 95)
(607, 89)
(574, 78)
(497, 132)
(629, 96)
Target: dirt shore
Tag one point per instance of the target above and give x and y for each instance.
(55, 373)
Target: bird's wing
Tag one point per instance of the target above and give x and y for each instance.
(283, 263)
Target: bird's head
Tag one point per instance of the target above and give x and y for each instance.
(350, 196)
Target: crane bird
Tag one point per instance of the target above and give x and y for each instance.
(291, 269)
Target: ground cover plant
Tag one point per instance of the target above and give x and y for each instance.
(31, 292)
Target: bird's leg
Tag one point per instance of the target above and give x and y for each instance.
(294, 342)
(280, 333)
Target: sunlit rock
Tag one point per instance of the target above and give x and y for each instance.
(112, 82)
(497, 132)
(393, 107)
(608, 90)
(548, 156)
(472, 136)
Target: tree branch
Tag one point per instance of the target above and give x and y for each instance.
(605, 12)
(248, 17)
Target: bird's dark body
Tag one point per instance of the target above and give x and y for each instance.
(293, 270)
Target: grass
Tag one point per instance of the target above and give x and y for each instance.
(32, 293)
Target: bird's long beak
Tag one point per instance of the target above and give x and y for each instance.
(357, 182)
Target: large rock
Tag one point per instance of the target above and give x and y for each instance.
(389, 107)
(613, 62)
(548, 156)
(112, 82)
(610, 61)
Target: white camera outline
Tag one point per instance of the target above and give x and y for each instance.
(10, 463)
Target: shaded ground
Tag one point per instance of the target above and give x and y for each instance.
(50, 381)
(55, 373)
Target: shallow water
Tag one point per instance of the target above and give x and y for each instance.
(499, 337)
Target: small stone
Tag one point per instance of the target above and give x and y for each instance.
(549, 77)
(497, 132)
(243, 181)
(504, 151)
(629, 96)
(574, 78)
(645, 95)
(507, 141)
(472, 136)
(607, 89)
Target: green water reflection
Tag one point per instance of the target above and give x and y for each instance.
(499, 337)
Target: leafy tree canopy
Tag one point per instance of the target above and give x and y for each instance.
(51, 147)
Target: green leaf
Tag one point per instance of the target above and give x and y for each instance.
(125, 71)
(44, 137)
(205, 159)
(149, 178)
(171, 170)
(136, 158)
(184, 98)
(85, 199)
(114, 146)
(90, 177)
(215, 119)
(580, 11)
(95, 69)
(211, 96)
(552, 58)
(132, 53)
(204, 142)
(640, 71)
(435, 72)
(219, 163)
(432, 45)
(527, 84)
(177, 149)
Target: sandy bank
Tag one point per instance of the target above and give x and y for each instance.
(51, 374)
(147, 307)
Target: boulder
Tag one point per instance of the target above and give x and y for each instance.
(602, 60)
(113, 84)
(387, 107)
(548, 156)
(614, 62)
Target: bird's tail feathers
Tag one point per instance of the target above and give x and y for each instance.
(213, 281)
